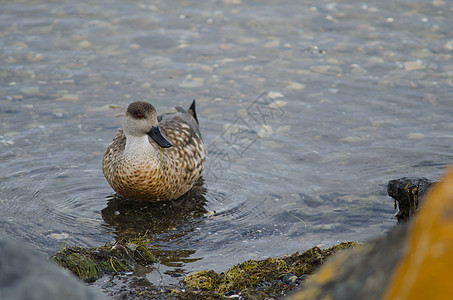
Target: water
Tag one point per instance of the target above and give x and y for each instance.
(308, 110)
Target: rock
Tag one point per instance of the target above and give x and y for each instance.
(274, 94)
(296, 86)
(413, 261)
(289, 278)
(260, 279)
(192, 82)
(24, 274)
(84, 44)
(30, 90)
(408, 193)
(449, 45)
(322, 69)
(414, 65)
(271, 44)
(68, 97)
(279, 104)
(265, 131)
(360, 273)
(416, 136)
(426, 269)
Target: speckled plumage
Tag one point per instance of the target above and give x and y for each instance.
(145, 171)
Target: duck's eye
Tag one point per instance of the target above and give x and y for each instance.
(139, 115)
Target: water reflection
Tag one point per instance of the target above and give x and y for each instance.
(161, 222)
(131, 218)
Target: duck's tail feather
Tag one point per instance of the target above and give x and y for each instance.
(192, 111)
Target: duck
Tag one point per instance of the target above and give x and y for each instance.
(155, 157)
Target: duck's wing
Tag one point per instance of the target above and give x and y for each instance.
(191, 111)
(181, 116)
(180, 127)
(119, 140)
(113, 152)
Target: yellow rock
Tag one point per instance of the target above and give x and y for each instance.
(426, 271)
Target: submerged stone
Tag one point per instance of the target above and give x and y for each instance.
(30, 90)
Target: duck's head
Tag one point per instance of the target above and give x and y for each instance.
(141, 119)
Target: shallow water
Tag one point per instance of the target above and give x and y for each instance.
(308, 110)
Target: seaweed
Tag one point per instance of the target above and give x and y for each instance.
(89, 264)
(269, 278)
(258, 279)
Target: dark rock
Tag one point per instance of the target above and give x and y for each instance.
(25, 274)
(408, 193)
(289, 278)
(231, 293)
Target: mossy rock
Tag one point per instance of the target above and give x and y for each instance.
(205, 280)
(89, 264)
(259, 279)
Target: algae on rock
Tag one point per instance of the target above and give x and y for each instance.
(254, 279)
(91, 263)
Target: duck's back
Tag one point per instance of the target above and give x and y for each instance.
(185, 159)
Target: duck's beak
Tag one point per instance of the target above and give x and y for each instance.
(157, 136)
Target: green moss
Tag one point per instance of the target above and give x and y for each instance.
(260, 279)
(90, 264)
(250, 273)
(204, 280)
(81, 265)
